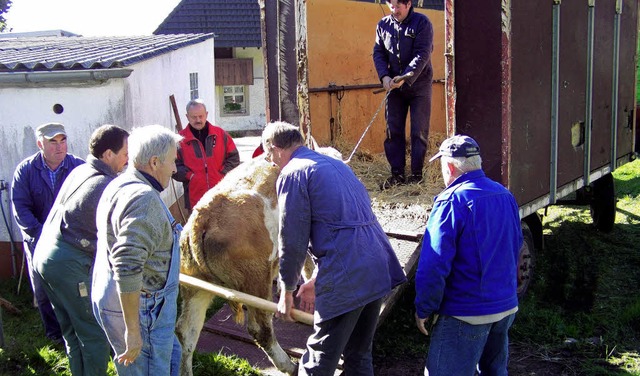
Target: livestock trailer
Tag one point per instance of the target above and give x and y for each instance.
(547, 88)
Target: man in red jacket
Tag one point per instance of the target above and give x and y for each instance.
(205, 155)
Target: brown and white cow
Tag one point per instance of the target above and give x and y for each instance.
(230, 239)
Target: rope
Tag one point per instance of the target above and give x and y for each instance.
(367, 128)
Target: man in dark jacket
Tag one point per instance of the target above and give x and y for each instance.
(36, 183)
(323, 204)
(404, 42)
(205, 155)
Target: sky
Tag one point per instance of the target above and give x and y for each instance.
(89, 17)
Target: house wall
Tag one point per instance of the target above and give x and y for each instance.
(140, 99)
(148, 88)
(256, 119)
(153, 81)
(23, 109)
(340, 50)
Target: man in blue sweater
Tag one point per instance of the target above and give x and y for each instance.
(467, 273)
(36, 183)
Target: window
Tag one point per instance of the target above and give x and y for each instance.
(234, 100)
(193, 85)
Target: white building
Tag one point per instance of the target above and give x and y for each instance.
(85, 82)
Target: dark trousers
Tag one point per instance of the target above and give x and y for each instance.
(415, 100)
(49, 321)
(350, 334)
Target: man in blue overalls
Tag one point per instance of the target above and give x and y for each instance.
(135, 278)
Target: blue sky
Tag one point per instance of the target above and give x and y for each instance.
(89, 17)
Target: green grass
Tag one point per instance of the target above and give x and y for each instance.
(582, 310)
(27, 352)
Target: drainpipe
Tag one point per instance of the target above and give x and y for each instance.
(63, 76)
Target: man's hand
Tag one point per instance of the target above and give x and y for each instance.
(420, 323)
(133, 340)
(130, 303)
(386, 83)
(396, 82)
(307, 295)
(284, 305)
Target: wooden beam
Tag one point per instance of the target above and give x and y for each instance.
(244, 298)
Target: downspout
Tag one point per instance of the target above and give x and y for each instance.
(89, 75)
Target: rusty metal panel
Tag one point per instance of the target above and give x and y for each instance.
(479, 104)
(514, 128)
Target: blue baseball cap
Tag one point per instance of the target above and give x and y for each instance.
(457, 146)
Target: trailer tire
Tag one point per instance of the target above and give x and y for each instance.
(525, 260)
(603, 203)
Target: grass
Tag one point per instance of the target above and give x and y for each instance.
(581, 313)
(27, 352)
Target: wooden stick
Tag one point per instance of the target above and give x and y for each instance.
(241, 297)
(174, 108)
(4, 303)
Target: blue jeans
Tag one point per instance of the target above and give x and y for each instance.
(457, 347)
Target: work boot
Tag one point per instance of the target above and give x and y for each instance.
(392, 181)
(415, 179)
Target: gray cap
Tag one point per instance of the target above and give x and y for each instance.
(50, 130)
(457, 146)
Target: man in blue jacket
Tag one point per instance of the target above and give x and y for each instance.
(404, 42)
(36, 183)
(467, 273)
(323, 204)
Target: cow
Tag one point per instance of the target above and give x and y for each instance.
(231, 240)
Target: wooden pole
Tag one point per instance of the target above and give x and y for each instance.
(241, 297)
(174, 108)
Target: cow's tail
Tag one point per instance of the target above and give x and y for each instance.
(193, 242)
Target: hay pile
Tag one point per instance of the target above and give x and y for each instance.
(405, 206)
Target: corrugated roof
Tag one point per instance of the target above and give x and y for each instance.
(235, 23)
(77, 53)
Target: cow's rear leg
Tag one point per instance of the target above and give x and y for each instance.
(194, 309)
(260, 327)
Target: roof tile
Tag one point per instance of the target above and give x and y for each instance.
(235, 23)
(65, 53)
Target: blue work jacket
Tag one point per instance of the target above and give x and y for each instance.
(323, 205)
(32, 193)
(468, 263)
(403, 47)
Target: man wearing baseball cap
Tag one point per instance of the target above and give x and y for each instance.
(466, 279)
(35, 185)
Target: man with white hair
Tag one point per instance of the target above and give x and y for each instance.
(466, 279)
(36, 183)
(135, 277)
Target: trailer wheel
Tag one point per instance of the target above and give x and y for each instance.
(603, 203)
(525, 260)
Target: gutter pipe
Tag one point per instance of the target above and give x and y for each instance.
(63, 76)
